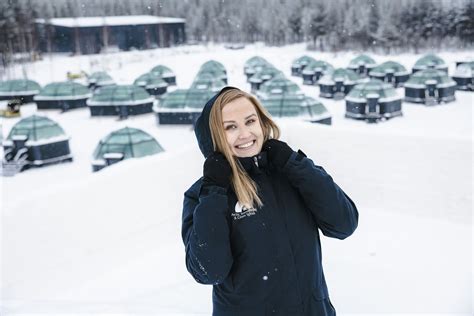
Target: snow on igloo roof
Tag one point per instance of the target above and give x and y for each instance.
(94, 21)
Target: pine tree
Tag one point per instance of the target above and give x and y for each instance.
(373, 24)
(318, 24)
(465, 25)
(295, 24)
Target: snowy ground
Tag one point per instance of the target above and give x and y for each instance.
(77, 242)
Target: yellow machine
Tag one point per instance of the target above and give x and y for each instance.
(77, 75)
(12, 109)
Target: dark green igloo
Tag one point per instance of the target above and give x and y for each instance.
(35, 141)
(362, 64)
(207, 81)
(372, 101)
(166, 73)
(122, 144)
(62, 95)
(254, 65)
(295, 105)
(299, 64)
(391, 72)
(213, 65)
(213, 68)
(22, 89)
(314, 71)
(36, 128)
(279, 84)
(464, 76)
(338, 83)
(430, 61)
(263, 75)
(430, 86)
(99, 79)
(152, 82)
(181, 106)
(121, 100)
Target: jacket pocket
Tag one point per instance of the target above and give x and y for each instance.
(321, 304)
(319, 294)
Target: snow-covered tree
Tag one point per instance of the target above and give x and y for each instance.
(318, 22)
(326, 24)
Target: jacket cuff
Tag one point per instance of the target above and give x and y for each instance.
(296, 156)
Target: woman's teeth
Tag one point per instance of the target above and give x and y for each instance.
(245, 145)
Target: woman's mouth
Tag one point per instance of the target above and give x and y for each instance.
(246, 145)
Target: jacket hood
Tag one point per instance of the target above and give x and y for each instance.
(201, 127)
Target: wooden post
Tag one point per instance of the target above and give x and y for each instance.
(48, 38)
(77, 46)
(161, 34)
(147, 37)
(105, 37)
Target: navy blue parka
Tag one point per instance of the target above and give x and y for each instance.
(265, 261)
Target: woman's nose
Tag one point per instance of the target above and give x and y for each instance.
(244, 132)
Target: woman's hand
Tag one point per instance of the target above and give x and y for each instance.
(278, 152)
(217, 170)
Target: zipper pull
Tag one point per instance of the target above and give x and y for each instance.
(255, 160)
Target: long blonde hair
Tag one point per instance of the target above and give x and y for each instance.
(245, 188)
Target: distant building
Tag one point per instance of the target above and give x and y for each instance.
(91, 35)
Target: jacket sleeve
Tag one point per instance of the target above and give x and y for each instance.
(205, 234)
(334, 212)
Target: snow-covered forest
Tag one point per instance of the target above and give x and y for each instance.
(377, 25)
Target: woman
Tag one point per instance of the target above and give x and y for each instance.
(250, 224)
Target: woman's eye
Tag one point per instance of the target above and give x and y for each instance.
(229, 127)
(250, 121)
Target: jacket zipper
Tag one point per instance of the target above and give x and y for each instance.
(255, 160)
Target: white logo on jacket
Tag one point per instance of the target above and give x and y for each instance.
(241, 211)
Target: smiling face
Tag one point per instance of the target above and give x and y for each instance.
(242, 128)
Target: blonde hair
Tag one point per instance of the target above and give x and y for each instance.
(245, 188)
